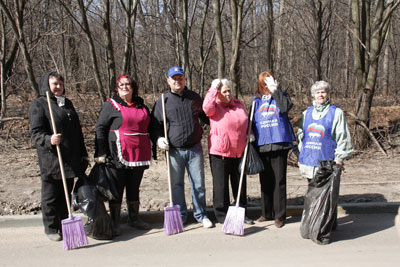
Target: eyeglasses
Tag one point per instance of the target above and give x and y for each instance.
(124, 84)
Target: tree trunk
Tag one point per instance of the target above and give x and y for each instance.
(347, 53)
(219, 38)
(185, 41)
(358, 58)
(234, 69)
(280, 36)
(203, 55)
(130, 10)
(367, 90)
(96, 70)
(270, 38)
(254, 20)
(386, 71)
(17, 27)
(109, 48)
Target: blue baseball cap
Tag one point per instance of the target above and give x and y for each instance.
(175, 70)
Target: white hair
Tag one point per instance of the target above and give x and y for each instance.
(319, 85)
(226, 82)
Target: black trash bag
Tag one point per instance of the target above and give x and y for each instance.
(105, 182)
(320, 203)
(85, 197)
(100, 227)
(254, 163)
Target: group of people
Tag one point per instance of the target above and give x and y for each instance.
(126, 128)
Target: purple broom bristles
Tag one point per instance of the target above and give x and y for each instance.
(172, 220)
(74, 235)
(234, 221)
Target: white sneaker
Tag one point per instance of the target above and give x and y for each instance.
(207, 223)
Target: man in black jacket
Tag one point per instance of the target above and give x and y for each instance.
(183, 111)
(71, 143)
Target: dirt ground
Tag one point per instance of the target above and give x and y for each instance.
(369, 176)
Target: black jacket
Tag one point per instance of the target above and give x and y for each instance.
(183, 113)
(67, 122)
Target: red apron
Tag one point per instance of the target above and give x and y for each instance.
(133, 142)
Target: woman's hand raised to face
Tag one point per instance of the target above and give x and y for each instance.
(217, 84)
(271, 84)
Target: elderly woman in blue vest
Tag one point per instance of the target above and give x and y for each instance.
(274, 136)
(323, 133)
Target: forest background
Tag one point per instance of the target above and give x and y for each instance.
(352, 44)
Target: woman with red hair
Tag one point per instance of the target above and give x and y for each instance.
(274, 136)
(122, 139)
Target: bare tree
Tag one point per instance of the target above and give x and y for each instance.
(7, 58)
(204, 54)
(130, 9)
(109, 47)
(280, 35)
(84, 24)
(237, 19)
(16, 23)
(219, 38)
(369, 37)
(270, 39)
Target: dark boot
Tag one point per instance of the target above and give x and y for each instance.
(133, 216)
(115, 213)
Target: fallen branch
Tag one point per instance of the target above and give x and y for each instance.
(12, 119)
(362, 124)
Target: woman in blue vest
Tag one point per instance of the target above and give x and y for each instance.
(274, 136)
(323, 133)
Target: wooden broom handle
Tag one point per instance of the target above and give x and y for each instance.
(166, 151)
(245, 154)
(64, 181)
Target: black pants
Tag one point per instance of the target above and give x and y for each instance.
(224, 170)
(129, 179)
(273, 184)
(54, 205)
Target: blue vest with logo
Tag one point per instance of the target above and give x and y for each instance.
(318, 143)
(271, 126)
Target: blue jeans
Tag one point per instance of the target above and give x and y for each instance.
(191, 159)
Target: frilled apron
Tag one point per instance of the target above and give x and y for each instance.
(133, 142)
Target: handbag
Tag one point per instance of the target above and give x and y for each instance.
(254, 163)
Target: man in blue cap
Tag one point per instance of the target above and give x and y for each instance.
(184, 112)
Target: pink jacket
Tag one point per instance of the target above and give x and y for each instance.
(228, 123)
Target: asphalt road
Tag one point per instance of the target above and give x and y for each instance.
(360, 240)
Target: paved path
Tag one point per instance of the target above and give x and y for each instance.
(360, 240)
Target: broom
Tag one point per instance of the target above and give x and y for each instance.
(74, 235)
(234, 220)
(172, 214)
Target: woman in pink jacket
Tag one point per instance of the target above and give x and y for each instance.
(226, 144)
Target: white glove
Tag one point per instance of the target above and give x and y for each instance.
(252, 138)
(216, 84)
(271, 83)
(162, 143)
